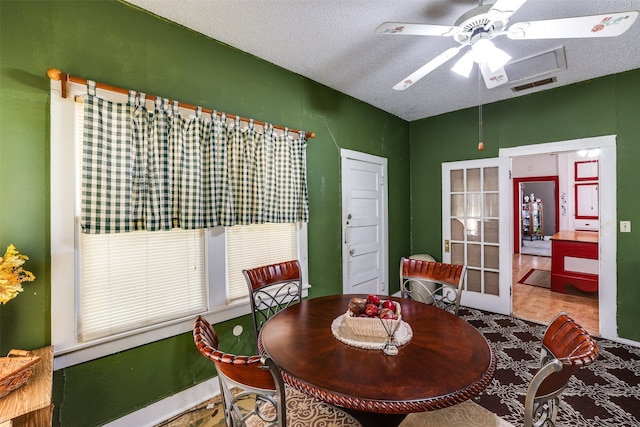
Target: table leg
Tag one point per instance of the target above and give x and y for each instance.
(370, 419)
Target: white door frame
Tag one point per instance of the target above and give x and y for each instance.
(608, 221)
(384, 245)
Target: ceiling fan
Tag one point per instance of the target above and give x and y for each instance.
(480, 25)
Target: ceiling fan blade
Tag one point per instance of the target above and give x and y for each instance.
(404, 28)
(506, 8)
(427, 68)
(608, 25)
(493, 78)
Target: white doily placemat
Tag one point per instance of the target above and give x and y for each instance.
(343, 332)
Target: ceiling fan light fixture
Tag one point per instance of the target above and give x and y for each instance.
(485, 51)
(482, 49)
(464, 65)
(497, 59)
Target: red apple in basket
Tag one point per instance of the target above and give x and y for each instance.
(390, 305)
(373, 299)
(371, 310)
(387, 313)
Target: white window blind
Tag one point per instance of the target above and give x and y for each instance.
(137, 279)
(250, 246)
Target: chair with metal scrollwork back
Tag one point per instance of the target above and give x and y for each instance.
(253, 391)
(254, 377)
(272, 288)
(566, 347)
(430, 282)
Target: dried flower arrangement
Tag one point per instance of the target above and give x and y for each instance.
(12, 274)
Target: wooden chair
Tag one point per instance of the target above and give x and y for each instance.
(432, 282)
(254, 394)
(566, 347)
(271, 289)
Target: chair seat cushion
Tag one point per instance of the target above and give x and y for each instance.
(305, 411)
(467, 414)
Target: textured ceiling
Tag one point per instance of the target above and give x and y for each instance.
(333, 42)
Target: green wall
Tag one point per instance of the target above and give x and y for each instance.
(115, 43)
(604, 106)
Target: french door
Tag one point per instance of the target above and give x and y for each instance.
(476, 232)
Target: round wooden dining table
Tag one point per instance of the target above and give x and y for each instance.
(446, 361)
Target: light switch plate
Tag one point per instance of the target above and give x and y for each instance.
(625, 226)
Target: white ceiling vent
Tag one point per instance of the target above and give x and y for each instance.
(536, 66)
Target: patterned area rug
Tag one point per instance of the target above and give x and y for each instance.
(604, 394)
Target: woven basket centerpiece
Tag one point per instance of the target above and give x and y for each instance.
(366, 321)
(15, 370)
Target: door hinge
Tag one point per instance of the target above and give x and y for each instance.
(381, 180)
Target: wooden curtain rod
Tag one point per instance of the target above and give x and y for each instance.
(55, 74)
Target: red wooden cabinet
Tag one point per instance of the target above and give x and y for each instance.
(574, 260)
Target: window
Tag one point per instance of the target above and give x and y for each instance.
(111, 292)
(246, 249)
(132, 280)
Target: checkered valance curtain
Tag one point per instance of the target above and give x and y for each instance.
(146, 169)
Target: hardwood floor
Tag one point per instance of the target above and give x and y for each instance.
(541, 305)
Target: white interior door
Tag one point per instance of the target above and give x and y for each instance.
(475, 230)
(364, 224)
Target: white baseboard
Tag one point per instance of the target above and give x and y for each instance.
(165, 409)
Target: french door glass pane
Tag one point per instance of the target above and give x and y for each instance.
(457, 253)
(490, 179)
(491, 256)
(473, 230)
(474, 281)
(457, 205)
(491, 285)
(491, 203)
(491, 231)
(474, 205)
(475, 226)
(473, 255)
(473, 180)
(457, 229)
(457, 180)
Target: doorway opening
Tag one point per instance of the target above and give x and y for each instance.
(535, 221)
(543, 309)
